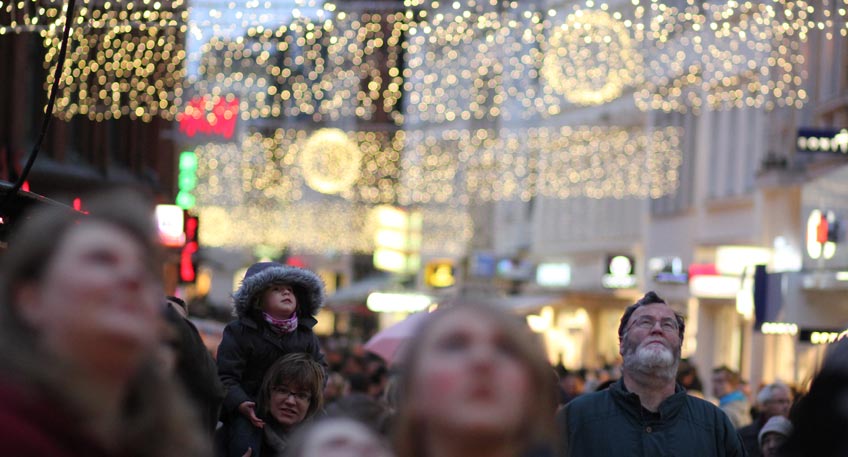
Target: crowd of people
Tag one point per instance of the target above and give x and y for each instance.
(96, 361)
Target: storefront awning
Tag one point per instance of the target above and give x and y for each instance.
(357, 292)
(525, 303)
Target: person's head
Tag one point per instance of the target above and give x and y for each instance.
(725, 381)
(84, 288)
(572, 383)
(278, 290)
(292, 390)
(650, 337)
(337, 437)
(358, 383)
(774, 399)
(179, 305)
(170, 341)
(335, 387)
(364, 409)
(820, 417)
(687, 375)
(476, 372)
(773, 434)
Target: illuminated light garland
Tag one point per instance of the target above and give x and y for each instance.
(256, 192)
(127, 61)
(467, 60)
(330, 161)
(309, 68)
(17, 16)
(453, 166)
(745, 59)
(597, 162)
(590, 59)
(271, 167)
(325, 226)
(472, 60)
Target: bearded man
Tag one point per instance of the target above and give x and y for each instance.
(646, 413)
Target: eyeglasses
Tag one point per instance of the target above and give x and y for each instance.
(302, 397)
(668, 325)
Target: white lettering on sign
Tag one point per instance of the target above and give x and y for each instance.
(779, 328)
(837, 143)
(823, 337)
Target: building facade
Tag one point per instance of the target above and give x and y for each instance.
(743, 197)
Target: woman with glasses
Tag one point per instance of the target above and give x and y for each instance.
(291, 394)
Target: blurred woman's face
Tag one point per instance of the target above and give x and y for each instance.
(470, 378)
(96, 304)
(343, 438)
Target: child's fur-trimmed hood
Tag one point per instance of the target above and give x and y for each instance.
(307, 286)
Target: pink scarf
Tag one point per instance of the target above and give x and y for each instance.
(283, 325)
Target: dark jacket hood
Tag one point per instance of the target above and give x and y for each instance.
(307, 286)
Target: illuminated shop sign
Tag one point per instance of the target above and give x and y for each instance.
(440, 273)
(668, 270)
(513, 269)
(385, 302)
(822, 140)
(187, 180)
(204, 117)
(482, 265)
(620, 272)
(821, 336)
(170, 222)
(779, 328)
(822, 234)
(553, 274)
(188, 259)
(397, 240)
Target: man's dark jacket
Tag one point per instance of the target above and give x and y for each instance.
(749, 434)
(613, 422)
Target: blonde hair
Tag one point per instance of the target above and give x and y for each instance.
(538, 428)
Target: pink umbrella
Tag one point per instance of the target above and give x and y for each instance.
(387, 343)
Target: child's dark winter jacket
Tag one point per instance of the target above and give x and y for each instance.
(249, 346)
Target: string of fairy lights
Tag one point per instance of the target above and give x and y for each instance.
(454, 166)
(306, 225)
(454, 86)
(323, 71)
(266, 178)
(475, 59)
(127, 57)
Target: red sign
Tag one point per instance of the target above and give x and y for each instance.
(822, 230)
(702, 269)
(188, 268)
(201, 116)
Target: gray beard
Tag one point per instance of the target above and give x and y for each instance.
(653, 363)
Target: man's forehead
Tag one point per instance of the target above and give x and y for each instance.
(781, 391)
(653, 309)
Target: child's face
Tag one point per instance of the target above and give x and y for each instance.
(279, 301)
